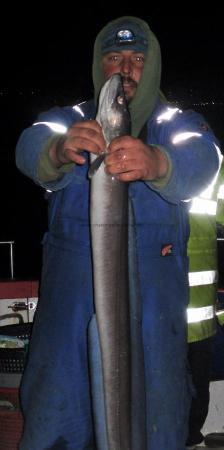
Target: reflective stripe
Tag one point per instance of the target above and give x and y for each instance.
(221, 192)
(220, 155)
(195, 315)
(78, 109)
(180, 137)
(203, 206)
(207, 193)
(203, 277)
(167, 114)
(203, 203)
(58, 127)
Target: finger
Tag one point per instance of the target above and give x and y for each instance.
(91, 124)
(89, 130)
(71, 155)
(119, 166)
(80, 143)
(132, 175)
(136, 168)
(117, 143)
(117, 156)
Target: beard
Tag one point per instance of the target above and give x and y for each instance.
(129, 85)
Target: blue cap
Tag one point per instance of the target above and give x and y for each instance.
(124, 36)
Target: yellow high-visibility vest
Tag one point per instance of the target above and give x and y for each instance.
(205, 211)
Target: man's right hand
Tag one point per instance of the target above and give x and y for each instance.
(86, 135)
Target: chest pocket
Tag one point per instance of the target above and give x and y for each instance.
(157, 222)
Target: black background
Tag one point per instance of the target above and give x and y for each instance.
(46, 60)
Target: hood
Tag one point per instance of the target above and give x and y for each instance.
(146, 96)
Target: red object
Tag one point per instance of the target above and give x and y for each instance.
(19, 289)
(11, 421)
(166, 250)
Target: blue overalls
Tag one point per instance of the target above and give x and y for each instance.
(55, 391)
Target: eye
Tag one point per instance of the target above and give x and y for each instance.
(116, 59)
(138, 59)
(120, 99)
(112, 58)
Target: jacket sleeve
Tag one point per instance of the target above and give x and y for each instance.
(192, 149)
(34, 141)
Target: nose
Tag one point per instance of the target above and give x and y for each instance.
(126, 66)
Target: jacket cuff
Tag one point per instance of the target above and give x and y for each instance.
(161, 183)
(46, 171)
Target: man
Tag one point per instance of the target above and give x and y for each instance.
(206, 211)
(169, 157)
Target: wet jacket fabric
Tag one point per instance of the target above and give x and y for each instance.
(55, 391)
(206, 211)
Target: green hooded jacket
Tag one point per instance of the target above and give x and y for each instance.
(148, 89)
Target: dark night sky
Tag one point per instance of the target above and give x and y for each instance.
(192, 42)
(51, 54)
(192, 45)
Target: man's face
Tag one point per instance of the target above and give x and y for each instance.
(129, 64)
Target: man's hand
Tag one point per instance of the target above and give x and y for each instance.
(130, 159)
(86, 135)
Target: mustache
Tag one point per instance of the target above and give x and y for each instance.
(129, 80)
